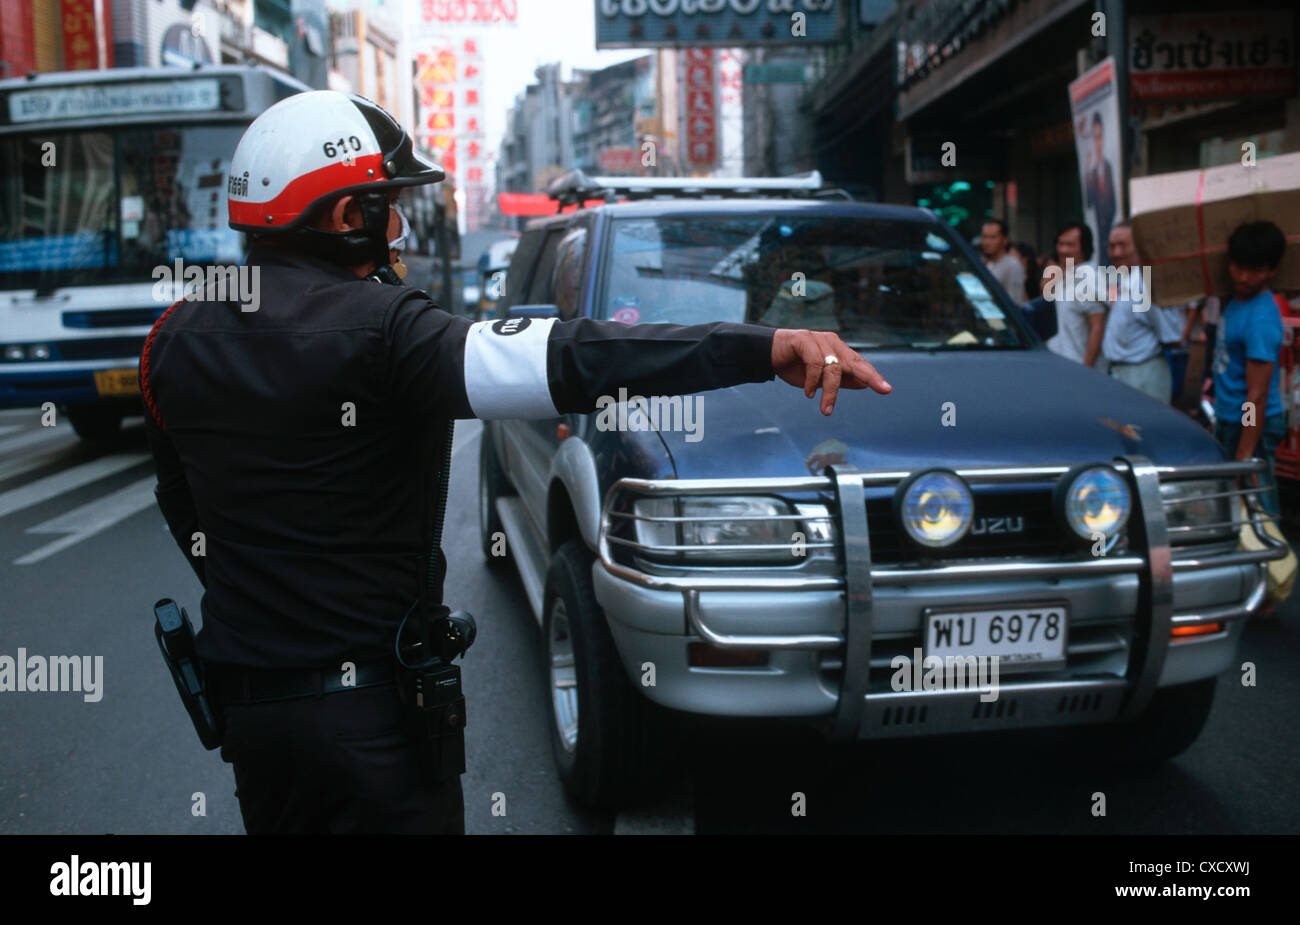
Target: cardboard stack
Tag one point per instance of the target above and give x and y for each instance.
(1181, 222)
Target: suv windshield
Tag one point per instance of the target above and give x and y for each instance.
(113, 204)
(876, 282)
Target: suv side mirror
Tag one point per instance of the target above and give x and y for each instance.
(533, 311)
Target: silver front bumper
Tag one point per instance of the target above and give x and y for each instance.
(829, 638)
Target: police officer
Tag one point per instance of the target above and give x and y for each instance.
(296, 439)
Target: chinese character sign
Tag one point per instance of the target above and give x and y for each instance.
(700, 107)
(79, 49)
(449, 84)
(435, 81)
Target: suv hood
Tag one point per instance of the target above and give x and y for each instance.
(1014, 407)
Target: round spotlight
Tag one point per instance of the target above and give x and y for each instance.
(934, 508)
(1092, 500)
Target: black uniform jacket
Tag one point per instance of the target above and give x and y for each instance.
(297, 439)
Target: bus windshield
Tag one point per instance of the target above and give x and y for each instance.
(108, 205)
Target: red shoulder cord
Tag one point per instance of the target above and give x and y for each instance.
(150, 404)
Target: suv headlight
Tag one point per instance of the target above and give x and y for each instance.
(715, 523)
(1190, 505)
(1092, 500)
(934, 508)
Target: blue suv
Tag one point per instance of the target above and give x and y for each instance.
(1009, 540)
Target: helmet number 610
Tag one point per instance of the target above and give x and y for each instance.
(340, 147)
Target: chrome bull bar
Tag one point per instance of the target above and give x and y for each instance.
(1149, 535)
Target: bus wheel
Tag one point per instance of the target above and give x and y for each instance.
(95, 425)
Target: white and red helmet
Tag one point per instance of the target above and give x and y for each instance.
(311, 148)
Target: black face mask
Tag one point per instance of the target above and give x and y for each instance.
(368, 244)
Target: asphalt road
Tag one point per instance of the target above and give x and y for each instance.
(84, 552)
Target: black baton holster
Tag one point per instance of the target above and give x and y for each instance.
(175, 638)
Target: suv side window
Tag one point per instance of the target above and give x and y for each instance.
(517, 275)
(567, 276)
(541, 288)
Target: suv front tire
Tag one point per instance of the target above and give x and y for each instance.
(605, 735)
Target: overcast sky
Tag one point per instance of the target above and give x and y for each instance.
(547, 31)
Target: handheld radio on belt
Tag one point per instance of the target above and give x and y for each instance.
(427, 681)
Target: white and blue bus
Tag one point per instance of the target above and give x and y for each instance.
(104, 176)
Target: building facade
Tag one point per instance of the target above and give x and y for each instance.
(991, 79)
(55, 35)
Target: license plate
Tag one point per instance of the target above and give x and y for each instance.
(117, 382)
(1025, 638)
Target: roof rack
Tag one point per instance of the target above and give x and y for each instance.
(577, 187)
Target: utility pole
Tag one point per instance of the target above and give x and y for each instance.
(1116, 13)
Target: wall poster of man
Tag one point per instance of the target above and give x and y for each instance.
(1094, 110)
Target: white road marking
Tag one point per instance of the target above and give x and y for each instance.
(68, 480)
(24, 464)
(91, 518)
(36, 435)
(99, 515)
(10, 428)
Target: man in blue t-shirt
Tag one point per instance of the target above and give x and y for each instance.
(1248, 410)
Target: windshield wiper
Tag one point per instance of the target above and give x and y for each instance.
(951, 348)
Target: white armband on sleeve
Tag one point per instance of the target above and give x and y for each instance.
(505, 369)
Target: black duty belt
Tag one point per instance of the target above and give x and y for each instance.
(236, 685)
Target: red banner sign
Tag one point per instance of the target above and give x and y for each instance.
(80, 48)
(535, 204)
(701, 107)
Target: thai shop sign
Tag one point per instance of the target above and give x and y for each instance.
(1183, 56)
(676, 23)
(182, 95)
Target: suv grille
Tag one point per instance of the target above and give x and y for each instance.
(1010, 523)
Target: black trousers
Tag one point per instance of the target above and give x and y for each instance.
(334, 764)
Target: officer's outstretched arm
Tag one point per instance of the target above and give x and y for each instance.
(444, 365)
